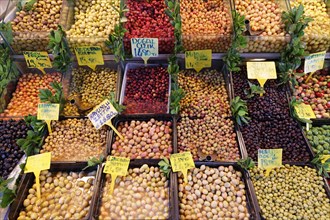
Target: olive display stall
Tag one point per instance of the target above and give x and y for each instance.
(164, 108)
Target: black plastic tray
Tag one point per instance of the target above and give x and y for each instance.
(250, 195)
(124, 118)
(28, 180)
(101, 180)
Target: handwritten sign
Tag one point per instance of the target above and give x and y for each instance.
(102, 114)
(37, 59)
(48, 112)
(262, 71)
(182, 162)
(314, 62)
(198, 59)
(36, 164)
(144, 48)
(89, 56)
(269, 159)
(305, 111)
(116, 166)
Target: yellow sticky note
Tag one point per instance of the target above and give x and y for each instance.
(182, 162)
(314, 62)
(198, 59)
(89, 56)
(37, 59)
(144, 48)
(262, 71)
(305, 111)
(269, 158)
(116, 166)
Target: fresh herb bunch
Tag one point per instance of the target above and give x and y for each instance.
(294, 102)
(239, 110)
(177, 93)
(253, 90)
(6, 31)
(246, 164)
(321, 167)
(60, 49)
(295, 23)
(232, 58)
(7, 195)
(116, 40)
(46, 96)
(165, 167)
(37, 125)
(26, 5)
(112, 98)
(92, 162)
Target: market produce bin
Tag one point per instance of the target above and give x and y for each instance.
(146, 137)
(317, 34)
(206, 25)
(84, 88)
(211, 187)
(147, 19)
(21, 95)
(277, 194)
(148, 87)
(263, 18)
(65, 191)
(152, 197)
(31, 29)
(84, 30)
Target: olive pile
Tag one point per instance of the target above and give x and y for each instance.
(319, 138)
(291, 192)
(75, 140)
(205, 127)
(63, 196)
(213, 193)
(142, 194)
(10, 152)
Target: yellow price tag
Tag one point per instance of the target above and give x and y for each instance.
(37, 59)
(182, 162)
(116, 166)
(144, 48)
(89, 56)
(36, 164)
(305, 111)
(314, 62)
(269, 159)
(198, 59)
(102, 114)
(262, 71)
(48, 112)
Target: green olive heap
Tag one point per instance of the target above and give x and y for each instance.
(213, 193)
(291, 192)
(319, 138)
(142, 194)
(63, 196)
(75, 140)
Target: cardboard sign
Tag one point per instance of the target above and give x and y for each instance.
(262, 71)
(182, 162)
(36, 164)
(102, 114)
(48, 112)
(198, 59)
(116, 166)
(89, 56)
(144, 48)
(37, 59)
(314, 62)
(269, 159)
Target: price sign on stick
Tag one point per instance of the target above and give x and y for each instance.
(89, 56)
(198, 59)
(102, 114)
(306, 112)
(48, 112)
(314, 62)
(36, 164)
(116, 166)
(144, 48)
(182, 162)
(269, 159)
(37, 59)
(262, 71)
